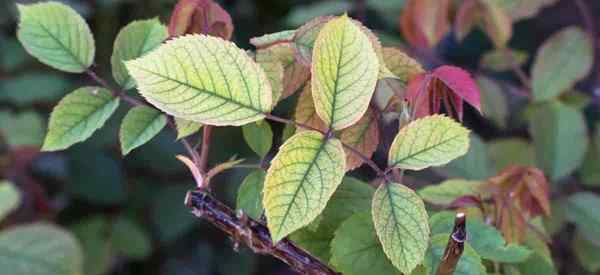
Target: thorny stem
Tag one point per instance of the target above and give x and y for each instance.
(253, 234)
(455, 246)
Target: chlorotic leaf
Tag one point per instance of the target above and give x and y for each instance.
(139, 126)
(133, 41)
(274, 70)
(295, 74)
(270, 39)
(401, 65)
(56, 35)
(40, 249)
(204, 79)
(363, 137)
(77, 116)
(430, 141)
(449, 190)
(10, 198)
(356, 250)
(344, 71)
(565, 58)
(306, 112)
(259, 137)
(468, 264)
(401, 224)
(249, 198)
(301, 179)
(551, 126)
(186, 127)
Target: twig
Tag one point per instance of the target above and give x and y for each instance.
(455, 246)
(253, 234)
(205, 148)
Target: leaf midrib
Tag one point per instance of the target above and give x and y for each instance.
(425, 149)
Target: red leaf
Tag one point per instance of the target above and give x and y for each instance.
(425, 22)
(461, 83)
(200, 16)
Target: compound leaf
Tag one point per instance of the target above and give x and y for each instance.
(301, 179)
(139, 126)
(56, 35)
(204, 79)
(401, 224)
(430, 141)
(77, 116)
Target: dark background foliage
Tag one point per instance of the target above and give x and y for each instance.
(93, 191)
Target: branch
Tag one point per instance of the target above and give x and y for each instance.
(455, 246)
(253, 234)
(205, 148)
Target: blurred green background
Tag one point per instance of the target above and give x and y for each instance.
(128, 212)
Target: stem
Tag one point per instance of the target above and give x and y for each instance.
(205, 148)
(253, 234)
(455, 246)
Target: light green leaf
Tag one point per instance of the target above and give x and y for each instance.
(274, 70)
(345, 70)
(204, 79)
(552, 126)
(583, 209)
(259, 137)
(468, 264)
(130, 238)
(10, 198)
(494, 103)
(565, 58)
(139, 126)
(475, 165)
(186, 127)
(39, 249)
(449, 190)
(430, 141)
(249, 197)
(401, 223)
(272, 38)
(301, 179)
(133, 41)
(587, 253)
(502, 59)
(484, 238)
(356, 250)
(511, 151)
(77, 116)
(56, 35)
(22, 129)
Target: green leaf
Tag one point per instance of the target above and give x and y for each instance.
(352, 196)
(345, 70)
(259, 137)
(540, 262)
(583, 209)
(552, 126)
(56, 35)
(133, 41)
(39, 249)
(306, 12)
(22, 129)
(475, 165)
(430, 141)
(356, 250)
(272, 38)
(494, 103)
(129, 238)
(511, 151)
(249, 197)
(170, 217)
(186, 127)
(77, 116)
(587, 253)
(502, 59)
(92, 233)
(93, 172)
(484, 238)
(10, 198)
(565, 58)
(449, 190)
(590, 170)
(315, 241)
(301, 179)
(139, 126)
(401, 223)
(204, 79)
(24, 89)
(468, 264)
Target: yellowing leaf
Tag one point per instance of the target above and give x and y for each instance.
(295, 74)
(133, 41)
(362, 136)
(565, 58)
(204, 79)
(344, 70)
(401, 65)
(140, 125)
(270, 39)
(301, 179)
(77, 116)
(430, 141)
(306, 112)
(186, 127)
(274, 70)
(401, 223)
(56, 35)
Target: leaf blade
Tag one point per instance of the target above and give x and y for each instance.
(139, 126)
